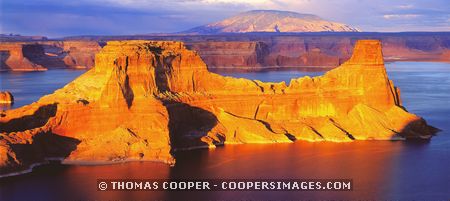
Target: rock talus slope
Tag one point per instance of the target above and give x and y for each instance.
(145, 99)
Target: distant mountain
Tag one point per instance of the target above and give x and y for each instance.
(272, 21)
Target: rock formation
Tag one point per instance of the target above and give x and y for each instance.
(71, 54)
(238, 52)
(145, 99)
(232, 54)
(12, 57)
(271, 21)
(6, 97)
(43, 55)
(309, 51)
(18, 37)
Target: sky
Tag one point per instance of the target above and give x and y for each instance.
(57, 18)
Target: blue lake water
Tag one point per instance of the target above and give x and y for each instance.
(381, 170)
(28, 87)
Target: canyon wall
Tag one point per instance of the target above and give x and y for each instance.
(43, 55)
(323, 51)
(305, 49)
(241, 51)
(146, 99)
(12, 58)
(232, 54)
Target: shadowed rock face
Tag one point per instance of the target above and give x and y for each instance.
(12, 57)
(236, 52)
(145, 99)
(43, 55)
(240, 52)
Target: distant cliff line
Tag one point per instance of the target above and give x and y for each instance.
(235, 51)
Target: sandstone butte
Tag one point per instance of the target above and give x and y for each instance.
(145, 99)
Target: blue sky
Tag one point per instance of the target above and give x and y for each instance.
(57, 18)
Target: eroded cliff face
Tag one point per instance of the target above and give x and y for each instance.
(43, 55)
(69, 53)
(232, 54)
(242, 52)
(12, 57)
(145, 99)
(310, 51)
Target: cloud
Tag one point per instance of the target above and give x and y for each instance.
(407, 6)
(177, 4)
(113, 17)
(400, 16)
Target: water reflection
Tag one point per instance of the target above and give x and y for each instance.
(6, 106)
(62, 182)
(379, 170)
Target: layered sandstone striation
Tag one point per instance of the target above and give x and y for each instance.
(69, 53)
(43, 55)
(145, 99)
(238, 52)
(232, 54)
(310, 51)
(12, 57)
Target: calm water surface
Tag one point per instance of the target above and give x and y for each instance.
(28, 87)
(381, 170)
